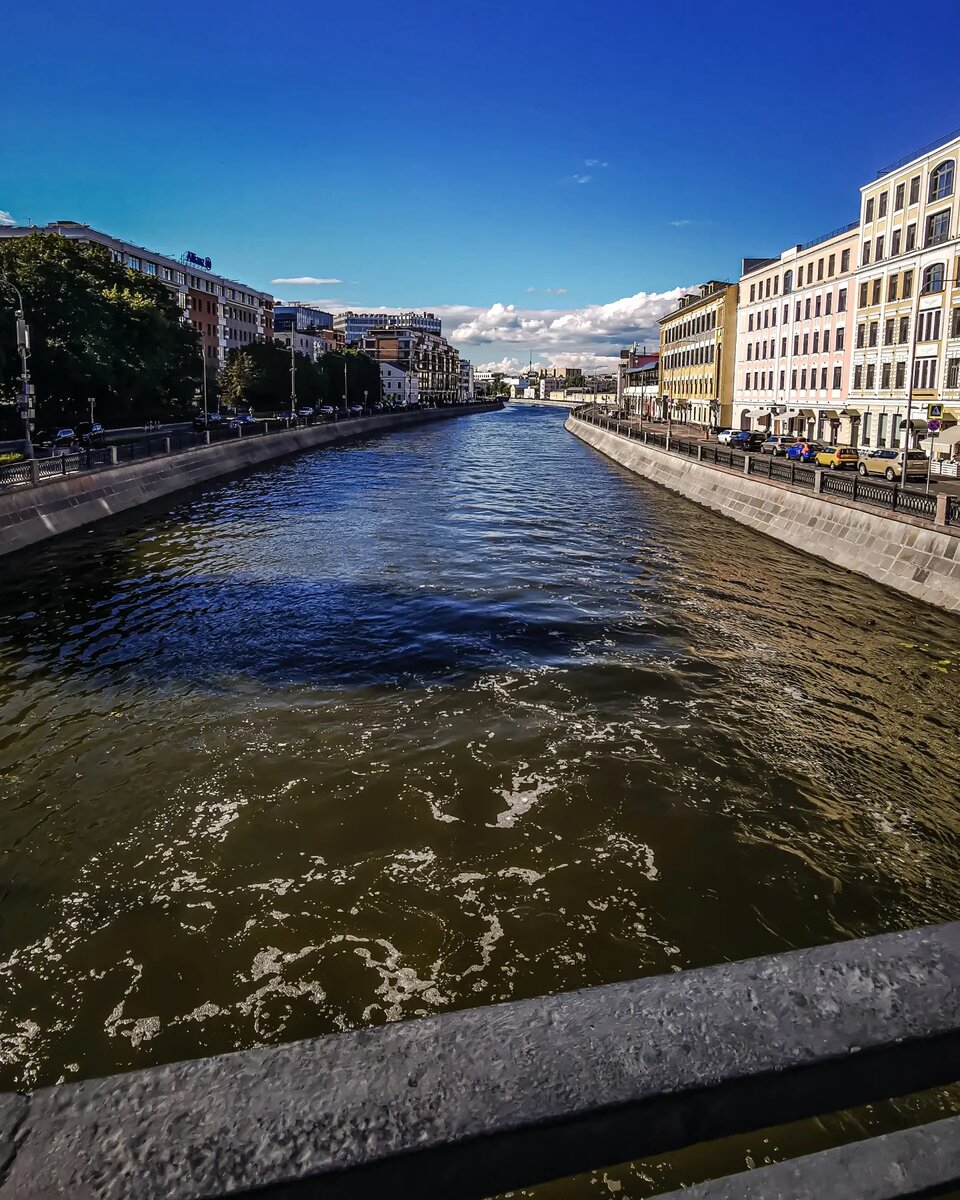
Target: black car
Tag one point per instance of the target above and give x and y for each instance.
(211, 421)
(747, 439)
(90, 433)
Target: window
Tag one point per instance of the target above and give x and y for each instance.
(823, 378)
(865, 430)
(782, 377)
(938, 227)
(750, 323)
(914, 189)
(816, 341)
(806, 309)
(785, 314)
(877, 286)
(898, 197)
(842, 297)
(787, 284)
(953, 372)
(844, 261)
(925, 373)
(903, 331)
(861, 336)
(819, 268)
(882, 209)
(932, 279)
(863, 294)
(871, 375)
(753, 292)
(911, 237)
(878, 255)
(150, 268)
(868, 215)
(828, 309)
(749, 351)
(783, 347)
(796, 343)
(831, 265)
(885, 376)
(816, 306)
(799, 276)
(837, 378)
(941, 181)
(882, 427)
(907, 285)
(874, 330)
(892, 287)
(840, 338)
(866, 255)
(858, 377)
(955, 323)
(895, 242)
(928, 328)
(803, 379)
(793, 379)
(900, 376)
(806, 343)
(826, 340)
(888, 331)
(796, 315)
(133, 263)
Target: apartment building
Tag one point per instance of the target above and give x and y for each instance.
(466, 379)
(639, 381)
(428, 355)
(398, 386)
(697, 353)
(794, 334)
(355, 326)
(226, 314)
(907, 321)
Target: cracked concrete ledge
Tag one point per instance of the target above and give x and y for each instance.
(468, 1104)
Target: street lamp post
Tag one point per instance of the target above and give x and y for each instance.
(293, 371)
(26, 407)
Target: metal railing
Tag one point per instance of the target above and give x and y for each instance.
(927, 149)
(825, 237)
(894, 499)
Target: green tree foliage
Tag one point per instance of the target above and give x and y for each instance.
(97, 330)
(259, 375)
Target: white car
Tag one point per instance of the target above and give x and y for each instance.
(724, 436)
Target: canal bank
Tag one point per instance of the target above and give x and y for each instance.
(29, 515)
(902, 552)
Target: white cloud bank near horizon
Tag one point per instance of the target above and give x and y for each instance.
(588, 337)
(305, 281)
(7, 218)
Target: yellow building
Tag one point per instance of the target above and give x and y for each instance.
(697, 352)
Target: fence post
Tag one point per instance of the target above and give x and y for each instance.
(113, 456)
(699, 451)
(666, 444)
(63, 464)
(166, 445)
(747, 459)
(206, 437)
(817, 482)
(34, 472)
(940, 516)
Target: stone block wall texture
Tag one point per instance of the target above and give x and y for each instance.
(903, 552)
(31, 515)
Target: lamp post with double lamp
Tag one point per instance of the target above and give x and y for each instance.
(293, 371)
(26, 407)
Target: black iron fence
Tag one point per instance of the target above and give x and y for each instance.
(892, 498)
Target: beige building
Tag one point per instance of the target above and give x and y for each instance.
(907, 322)
(794, 336)
(697, 355)
(428, 356)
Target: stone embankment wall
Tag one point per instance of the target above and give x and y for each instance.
(31, 514)
(904, 552)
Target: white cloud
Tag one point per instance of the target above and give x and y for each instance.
(581, 178)
(678, 224)
(586, 362)
(546, 291)
(6, 218)
(305, 281)
(595, 162)
(575, 330)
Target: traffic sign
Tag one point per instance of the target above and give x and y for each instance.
(934, 425)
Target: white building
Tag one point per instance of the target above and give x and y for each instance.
(310, 344)
(399, 386)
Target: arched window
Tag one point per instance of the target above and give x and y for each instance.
(941, 181)
(932, 279)
(787, 282)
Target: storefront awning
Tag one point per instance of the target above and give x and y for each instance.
(915, 423)
(850, 412)
(806, 412)
(789, 412)
(947, 437)
(831, 414)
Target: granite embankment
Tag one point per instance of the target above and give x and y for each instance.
(906, 553)
(32, 514)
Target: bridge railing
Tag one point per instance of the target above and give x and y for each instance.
(470, 1104)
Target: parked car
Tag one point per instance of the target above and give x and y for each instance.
(90, 432)
(889, 464)
(778, 444)
(724, 436)
(58, 441)
(837, 458)
(746, 439)
(213, 420)
(305, 411)
(240, 420)
(326, 410)
(356, 410)
(804, 451)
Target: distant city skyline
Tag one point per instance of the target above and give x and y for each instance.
(554, 202)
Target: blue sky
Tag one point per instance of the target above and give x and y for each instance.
(526, 169)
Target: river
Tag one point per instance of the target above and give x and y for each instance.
(435, 719)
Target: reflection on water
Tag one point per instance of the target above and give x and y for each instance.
(449, 716)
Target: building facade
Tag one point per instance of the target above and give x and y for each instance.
(697, 356)
(907, 323)
(639, 382)
(300, 316)
(427, 355)
(227, 314)
(794, 333)
(355, 326)
(398, 386)
(466, 380)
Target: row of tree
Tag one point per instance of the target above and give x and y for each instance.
(98, 331)
(102, 332)
(258, 376)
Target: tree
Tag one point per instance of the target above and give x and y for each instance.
(239, 378)
(98, 330)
